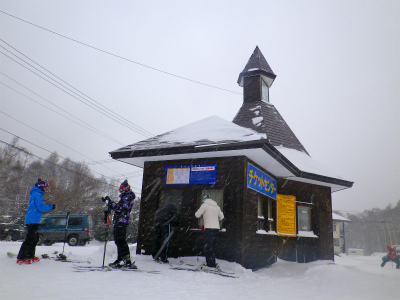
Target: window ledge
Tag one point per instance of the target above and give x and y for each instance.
(266, 232)
(309, 234)
(198, 229)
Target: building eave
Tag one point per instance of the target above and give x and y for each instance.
(260, 151)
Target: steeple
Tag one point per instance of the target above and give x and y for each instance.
(257, 65)
(257, 112)
(256, 78)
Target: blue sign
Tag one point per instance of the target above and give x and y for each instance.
(260, 182)
(192, 174)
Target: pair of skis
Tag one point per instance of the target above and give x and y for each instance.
(199, 269)
(108, 269)
(59, 257)
(191, 268)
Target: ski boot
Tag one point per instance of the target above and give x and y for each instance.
(25, 261)
(129, 265)
(215, 269)
(35, 259)
(116, 264)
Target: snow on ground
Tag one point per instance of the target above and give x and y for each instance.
(350, 277)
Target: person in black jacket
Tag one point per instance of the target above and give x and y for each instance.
(166, 217)
(122, 210)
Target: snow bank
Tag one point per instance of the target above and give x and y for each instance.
(349, 278)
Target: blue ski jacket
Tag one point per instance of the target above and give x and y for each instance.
(36, 206)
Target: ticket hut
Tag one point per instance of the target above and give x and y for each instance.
(275, 197)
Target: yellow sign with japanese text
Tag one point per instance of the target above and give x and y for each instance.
(286, 215)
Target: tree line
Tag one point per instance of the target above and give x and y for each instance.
(72, 187)
(373, 230)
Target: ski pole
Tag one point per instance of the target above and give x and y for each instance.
(62, 256)
(164, 244)
(107, 221)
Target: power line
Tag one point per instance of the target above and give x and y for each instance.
(113, 113)
(96, 105)
(88, 126)
(45, 160)
(59, 166)
(49, 150)
(120, 57)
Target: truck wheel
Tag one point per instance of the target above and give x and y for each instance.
(73, 240)
(9, 238)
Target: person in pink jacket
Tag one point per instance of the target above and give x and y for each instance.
(212, 214)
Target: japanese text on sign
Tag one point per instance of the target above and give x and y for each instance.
(193, 174)
(286, 215)
(260, 182)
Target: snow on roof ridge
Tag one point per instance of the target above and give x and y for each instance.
(213, 129)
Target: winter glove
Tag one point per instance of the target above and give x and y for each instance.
(54, 206)
(106, 200)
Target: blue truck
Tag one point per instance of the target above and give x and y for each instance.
(54, 229)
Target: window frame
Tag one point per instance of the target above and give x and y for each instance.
(265, 215)
(301, 208)
(264, 87)
(219, 199)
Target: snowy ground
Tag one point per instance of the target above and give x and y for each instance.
(352, 277)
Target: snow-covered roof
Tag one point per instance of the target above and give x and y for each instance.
(209, 131)
(216, 137)
(336, 217)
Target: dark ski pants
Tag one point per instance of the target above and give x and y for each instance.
(161, 232)
(210, 239)
(120, 241)
(396, 260)
(28, 247)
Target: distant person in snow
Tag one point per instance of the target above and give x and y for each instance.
(33, 216)
(212, 214)
(391, 256)
(166, 217)
(122, 210)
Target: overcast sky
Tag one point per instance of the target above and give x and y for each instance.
(337, 86)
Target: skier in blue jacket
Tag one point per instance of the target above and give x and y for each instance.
(33, 216)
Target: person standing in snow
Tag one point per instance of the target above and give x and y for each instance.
(166, 216)
(33, 216)
(391, 256)
(212, 214)
(122, 210)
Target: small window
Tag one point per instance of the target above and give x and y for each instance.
(58, 222)
(265, 91)
(266, 212)
(75, 221)
(174, 197)
(304, 218)
(261, 214)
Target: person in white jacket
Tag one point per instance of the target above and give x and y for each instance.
(212, 214)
